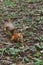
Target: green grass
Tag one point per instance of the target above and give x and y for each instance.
(32, 0)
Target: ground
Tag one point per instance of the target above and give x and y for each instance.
(27, 17)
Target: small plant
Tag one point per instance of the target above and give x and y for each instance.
(28, 19)
(37, 54)
(38, 62)
(12, 51)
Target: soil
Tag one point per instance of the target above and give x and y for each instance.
(31, 28)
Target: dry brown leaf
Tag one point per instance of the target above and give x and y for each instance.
(17, 37)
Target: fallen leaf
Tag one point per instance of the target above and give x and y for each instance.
(17, 37)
